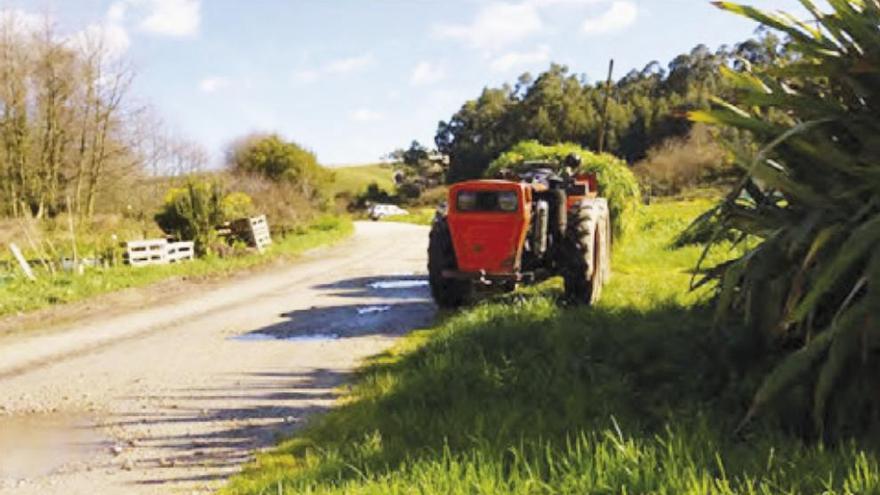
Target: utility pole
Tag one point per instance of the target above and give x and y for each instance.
(604, 123)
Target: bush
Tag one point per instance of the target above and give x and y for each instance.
(237, 205)
(192, 212)
(282, 203)
(278, 160)
(680, 164)
(373, 194)
(808, 291)
(616, 181)
(409, 191)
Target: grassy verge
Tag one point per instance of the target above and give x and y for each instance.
(416, 215)
(522, 395)
(19, 295)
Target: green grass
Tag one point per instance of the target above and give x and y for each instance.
(417, 215)
(20, 295)
(356, 178)
(523, 395)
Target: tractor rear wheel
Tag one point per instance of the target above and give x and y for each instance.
(447, 292)
(585, 266)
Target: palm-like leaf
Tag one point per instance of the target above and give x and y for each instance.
(812, 194)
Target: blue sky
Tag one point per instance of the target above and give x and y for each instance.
(354, 79)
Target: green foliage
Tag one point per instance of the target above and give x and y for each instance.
(808, 290)
(616, 181)
(414, 155)
(521, 395)
(645, 109)
(416, 215)
(237, 205)
(373, 194)
(272, 157)
(193, 212)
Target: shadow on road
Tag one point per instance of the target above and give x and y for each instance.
(193, 435)
(388, 287)
(269, 405)
(398, 304)
(339, 322)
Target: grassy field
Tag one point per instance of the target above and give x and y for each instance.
(523, 395)
(356, 178)
(19, 295)
(417, 215)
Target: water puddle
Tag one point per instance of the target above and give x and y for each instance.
(398, 284)
(373, 309)
(261, 337)
(36, 446)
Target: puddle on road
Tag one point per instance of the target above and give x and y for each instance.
(36, 446)
(398, 284)
(373, 309)
(392, 305)
(259, 337)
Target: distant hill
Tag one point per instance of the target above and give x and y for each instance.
(355, 178)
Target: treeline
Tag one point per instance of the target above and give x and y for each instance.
(645, 108)
(70, 133)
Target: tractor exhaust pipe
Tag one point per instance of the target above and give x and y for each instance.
(561, 214)
(542, 221)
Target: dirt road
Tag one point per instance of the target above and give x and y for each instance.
(174, 398)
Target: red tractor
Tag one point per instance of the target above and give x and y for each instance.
(496, 234)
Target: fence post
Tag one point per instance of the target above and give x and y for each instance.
(22, 262)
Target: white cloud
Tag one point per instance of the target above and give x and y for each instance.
(213, 84)
(306, 76)
(620, 15)
(350, 64)
(366, 115)
(162, 17)
(177, 18)
(116, 12)
(108, 36)
(427, 73)
(516, 59)
(497, 25)
(20, 22)
(345, 65)
(112, 39)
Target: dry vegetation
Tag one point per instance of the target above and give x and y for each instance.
(680, 164)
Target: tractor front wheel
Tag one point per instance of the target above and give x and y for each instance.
(447, 292)
(585, 266)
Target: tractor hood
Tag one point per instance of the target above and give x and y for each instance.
(488, 220)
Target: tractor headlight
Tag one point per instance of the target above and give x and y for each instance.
(507, 201)
(467, 201)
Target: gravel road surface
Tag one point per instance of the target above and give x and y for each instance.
(174, 397)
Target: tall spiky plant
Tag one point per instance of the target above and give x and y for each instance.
(810, 290)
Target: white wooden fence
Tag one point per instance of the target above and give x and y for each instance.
(255, 231)
(158, 252)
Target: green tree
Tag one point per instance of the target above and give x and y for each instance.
(415, 155)
(646, 108)
(278, 160)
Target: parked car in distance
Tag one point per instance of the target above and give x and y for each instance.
(378, 211)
